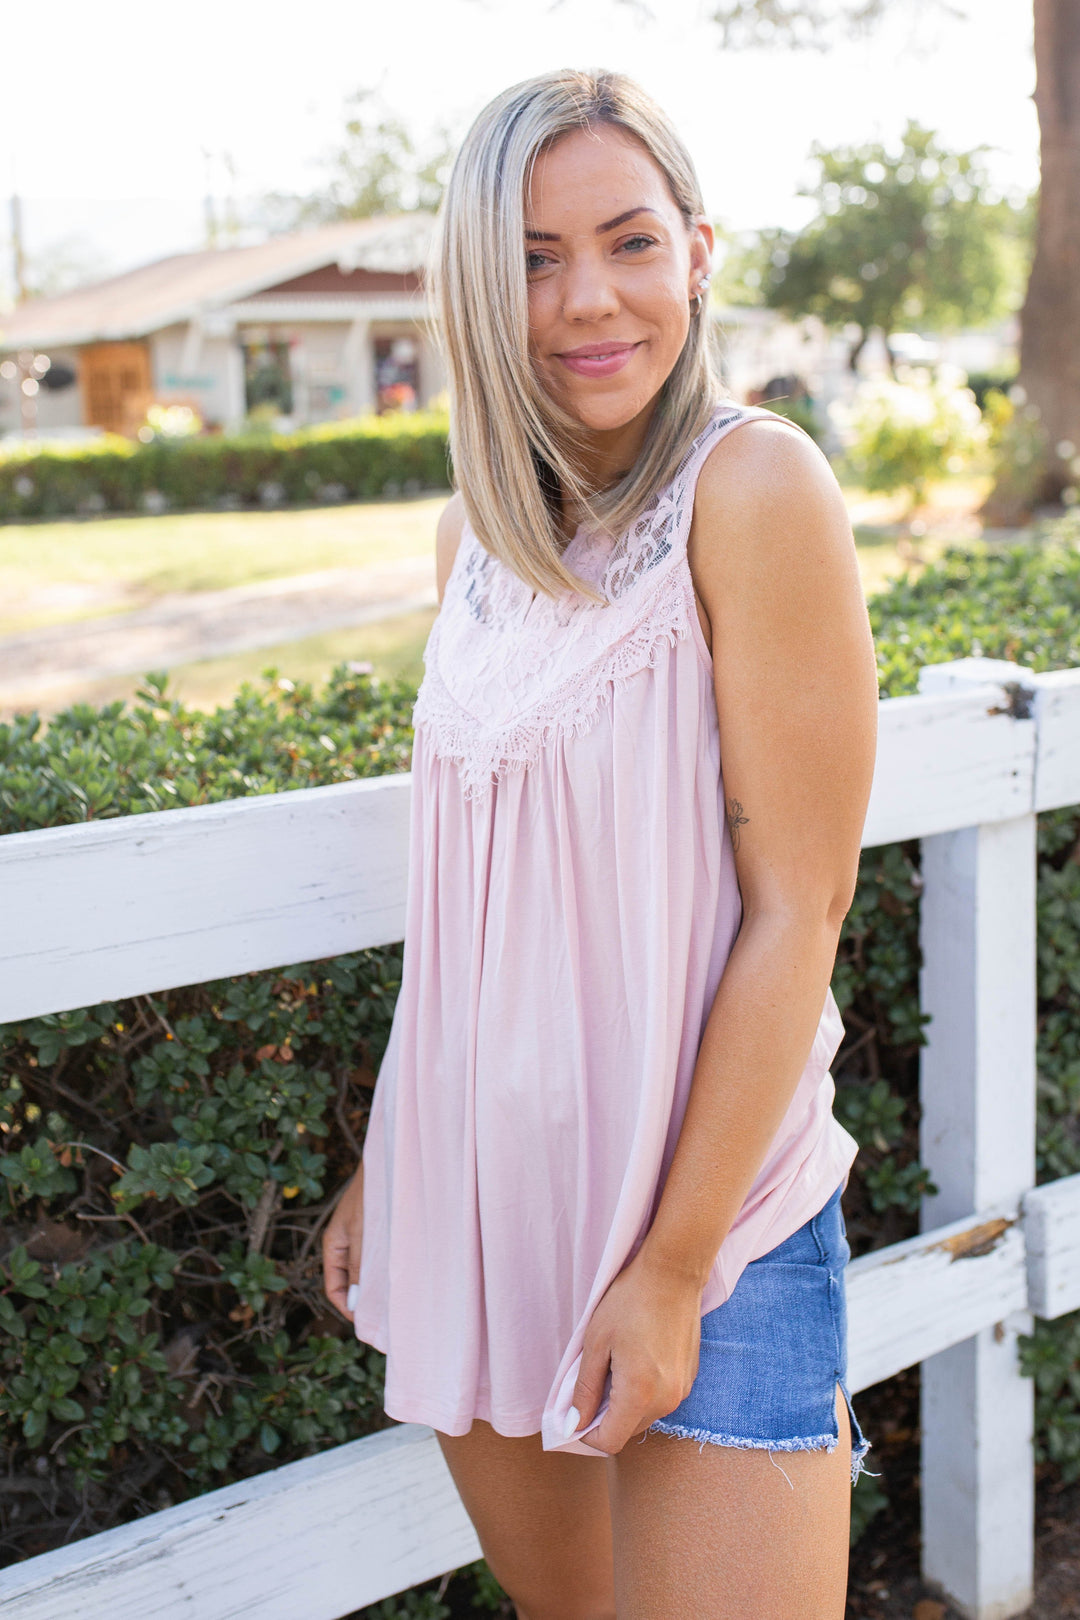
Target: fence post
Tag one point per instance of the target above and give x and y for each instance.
(978, 1143)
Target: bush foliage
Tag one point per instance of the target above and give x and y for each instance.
(332, 461)
(904, 433)
(169, 1161)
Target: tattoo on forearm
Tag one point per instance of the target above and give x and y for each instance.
(736, 819)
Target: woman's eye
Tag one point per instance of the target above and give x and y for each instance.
(536, 261)
(637, 243)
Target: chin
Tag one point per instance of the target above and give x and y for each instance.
(607, 413)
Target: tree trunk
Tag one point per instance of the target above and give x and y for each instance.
(856, 349)
(1050, 320)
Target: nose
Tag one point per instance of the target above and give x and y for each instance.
(588, 291)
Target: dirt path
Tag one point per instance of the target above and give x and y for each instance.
(185, 627)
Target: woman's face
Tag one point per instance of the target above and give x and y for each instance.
(612, 268)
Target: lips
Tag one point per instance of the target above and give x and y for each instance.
(598, 359)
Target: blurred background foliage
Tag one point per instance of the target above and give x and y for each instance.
(902, 237)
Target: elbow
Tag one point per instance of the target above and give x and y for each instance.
(809, 912)
(839, 904)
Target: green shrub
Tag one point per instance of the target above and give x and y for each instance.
(1051, 1355)
(167, 1161)
(902, 434)
(89, 763)
(1020, 603)
(333, 461)
(1019, 450)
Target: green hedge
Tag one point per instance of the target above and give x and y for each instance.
(169, 1160)
(334, 461)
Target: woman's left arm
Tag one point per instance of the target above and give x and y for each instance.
(774, 564)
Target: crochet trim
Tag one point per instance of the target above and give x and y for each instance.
(569, 710)
(508, 671)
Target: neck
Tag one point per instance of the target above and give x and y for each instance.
(603, 456)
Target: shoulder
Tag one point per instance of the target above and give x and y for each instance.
(767, 498)
(764, 466)
(448, 538)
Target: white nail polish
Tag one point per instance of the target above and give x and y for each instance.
(350, 1298)
(573, 1418)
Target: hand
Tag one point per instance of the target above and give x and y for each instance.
(647, 1328)
(341, 1244)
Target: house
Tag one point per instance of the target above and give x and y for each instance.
(329, 323)
(316, 325)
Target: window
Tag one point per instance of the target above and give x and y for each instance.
(267, 375)
(397, 374)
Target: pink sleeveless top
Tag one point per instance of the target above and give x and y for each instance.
(572, 901)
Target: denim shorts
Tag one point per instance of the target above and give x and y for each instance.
(773, 1353)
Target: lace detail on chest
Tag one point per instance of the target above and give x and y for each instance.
(507, 670)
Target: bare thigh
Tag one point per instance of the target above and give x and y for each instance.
(725, 1534)
(543, 1521)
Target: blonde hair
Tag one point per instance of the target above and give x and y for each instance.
(510, 443)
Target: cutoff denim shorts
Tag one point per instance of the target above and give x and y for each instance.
(773, 1353)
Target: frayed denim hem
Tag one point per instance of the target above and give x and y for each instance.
(858, 1464)
(816, 1442)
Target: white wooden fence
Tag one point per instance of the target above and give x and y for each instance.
(150, 902)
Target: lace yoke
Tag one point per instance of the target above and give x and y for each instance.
(507, 669)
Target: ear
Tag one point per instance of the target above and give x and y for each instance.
(702, 242)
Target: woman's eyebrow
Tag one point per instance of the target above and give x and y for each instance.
(621, 219)
(608, 225)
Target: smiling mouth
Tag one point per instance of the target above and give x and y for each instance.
(598, 360)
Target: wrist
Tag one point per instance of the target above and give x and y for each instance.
(672, 1267)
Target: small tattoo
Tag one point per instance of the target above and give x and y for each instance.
(736, 819)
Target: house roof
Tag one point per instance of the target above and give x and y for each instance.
(188, 285)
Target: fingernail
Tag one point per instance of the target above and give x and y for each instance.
(573, 1418)
(350, 1298)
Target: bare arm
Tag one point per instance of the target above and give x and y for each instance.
(796, 695)
(774, 565)
(447, 540)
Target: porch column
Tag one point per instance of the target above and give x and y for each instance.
(359, 361)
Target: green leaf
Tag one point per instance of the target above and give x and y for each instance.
(67, 1410)
(269, 1438)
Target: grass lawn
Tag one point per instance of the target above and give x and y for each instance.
(57, 571)
(80, 567)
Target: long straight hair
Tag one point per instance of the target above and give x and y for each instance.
(511, 443)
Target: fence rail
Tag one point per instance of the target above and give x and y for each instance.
(147, 903)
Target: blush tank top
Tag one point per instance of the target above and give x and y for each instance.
(571, 903)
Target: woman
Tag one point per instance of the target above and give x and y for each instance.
(599, 1199)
